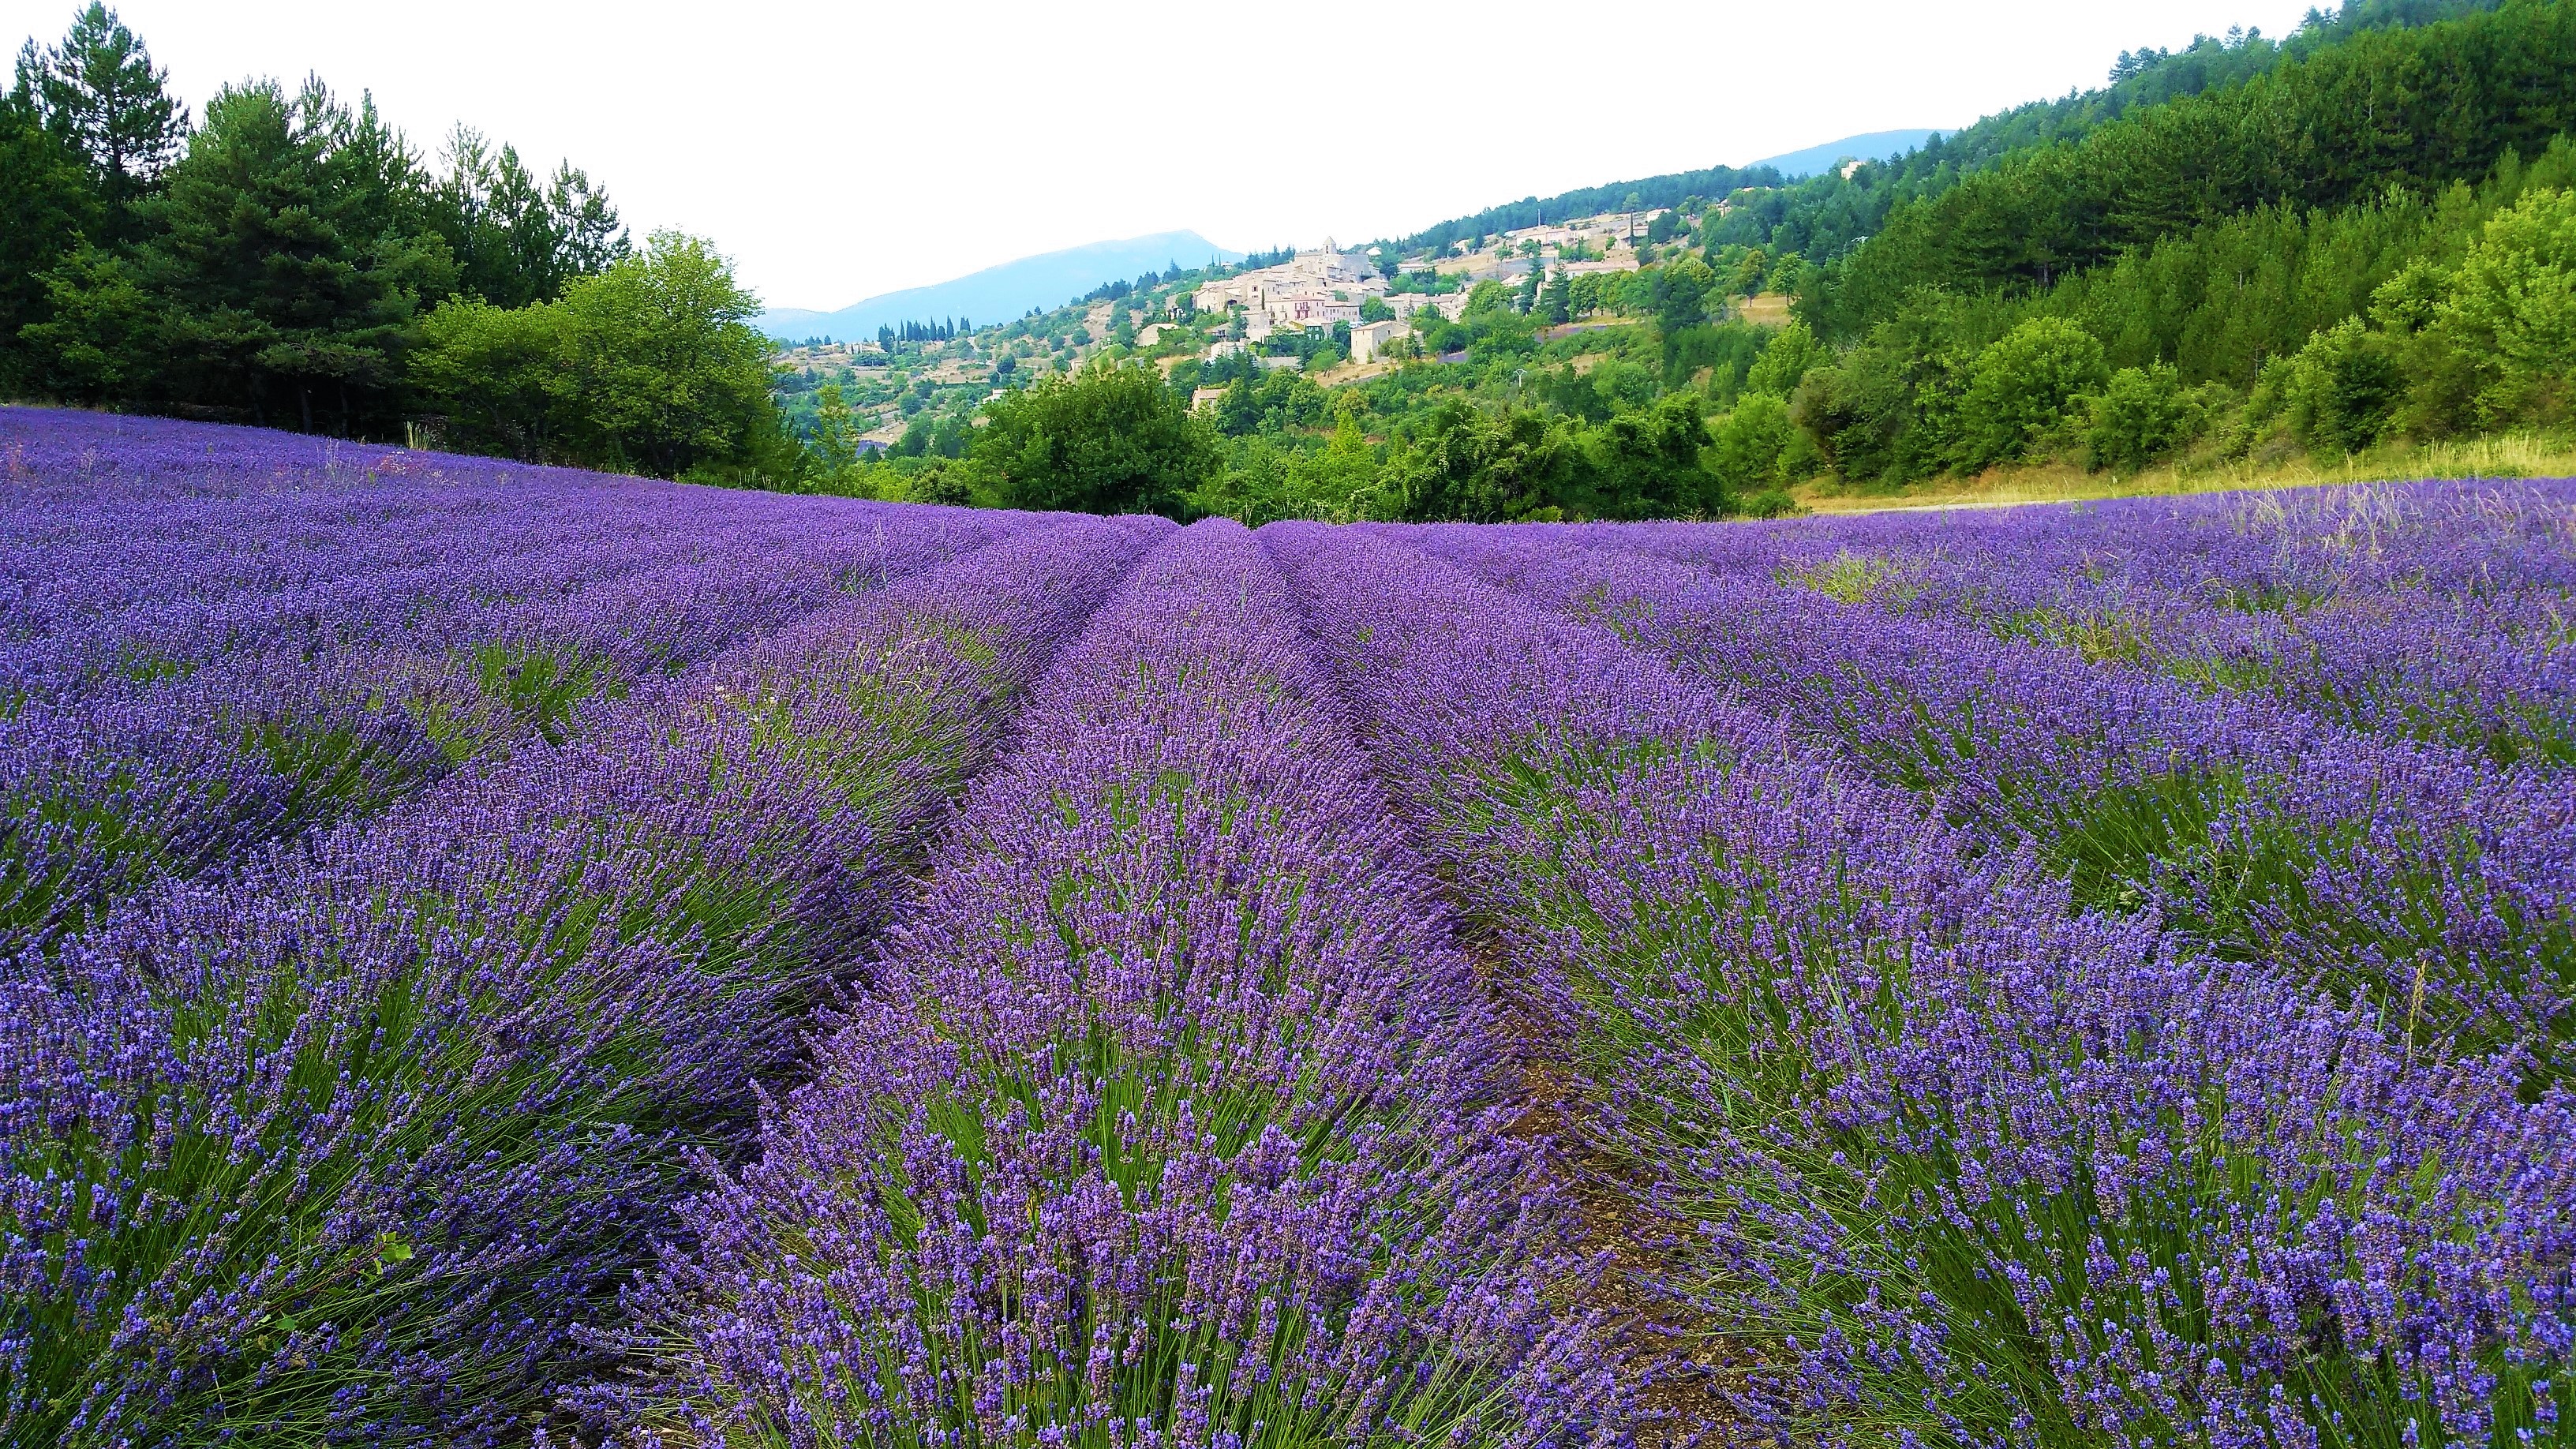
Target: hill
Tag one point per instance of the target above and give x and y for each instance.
(1798, 202)
(1002, 292)
(1828, 214)
(1870, 146)
(1668, 190)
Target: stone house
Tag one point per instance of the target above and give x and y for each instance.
(1369, 339)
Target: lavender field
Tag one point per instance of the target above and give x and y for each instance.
(498, 955)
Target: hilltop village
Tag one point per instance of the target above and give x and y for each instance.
(1339, 315)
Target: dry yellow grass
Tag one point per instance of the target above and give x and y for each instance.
(1349, 372)
(1771, 309)
(2511, 455)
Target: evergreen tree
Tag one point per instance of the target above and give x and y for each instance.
(518, 240)
(2411, 108)
(49, 204)
(99, 90)
(279, 278)
(1556, 299)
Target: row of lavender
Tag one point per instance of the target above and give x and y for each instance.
(356, 1141)
(187, 676)
(2424, 875)
(356, 1135)
(2437, 611)
(1172, 1116)
(1955, 995)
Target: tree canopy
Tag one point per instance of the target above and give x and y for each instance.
(1107, 440)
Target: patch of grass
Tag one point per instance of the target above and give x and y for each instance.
(1846, 578)
(2510, 455)
(540, 686)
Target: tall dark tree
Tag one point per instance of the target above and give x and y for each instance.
(99, 90)
(283, 270)
(46, 206)
(516, 239)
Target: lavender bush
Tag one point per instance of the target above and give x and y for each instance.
(2423, 875)
(2062, 977)
(2433, 611)
(348, 1143)
(1172, 1117)
(157, 731)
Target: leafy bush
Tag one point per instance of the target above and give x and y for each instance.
(2341, 390)
(2504, 322)
(2141, 413)
(1647, 463)
(1109, 440)
(652, 365)
(1757, 450)
(2025, 386)
(1465, 463)
(1784, 361)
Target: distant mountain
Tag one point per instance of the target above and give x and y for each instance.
(998, 294)
(1816, 160)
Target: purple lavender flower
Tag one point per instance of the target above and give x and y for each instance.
(1963, 1164)
(1172, 1115)
(2436, 610)
(176, 705)
(2424, 875)
(349, 1142)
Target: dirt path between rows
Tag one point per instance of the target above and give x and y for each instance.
(1675, 1366)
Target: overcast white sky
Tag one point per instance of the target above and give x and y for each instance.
(838, 150)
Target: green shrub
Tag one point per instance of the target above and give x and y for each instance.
(1756, 449)
(2342, 389)
(2140, 414)
(1111, 440)
(2024, 387)
(2502, 326)
(1784, 361)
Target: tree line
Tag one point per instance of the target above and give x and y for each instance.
(935, 330)
(1828, 215)
(1515, 427)
(2355, 234)
(1825, 215)
(291, 260)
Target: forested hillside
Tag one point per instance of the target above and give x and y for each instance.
(2409, 109)
(1822, 216)
(2369, 238)
(2241, 254)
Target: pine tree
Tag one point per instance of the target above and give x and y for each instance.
(49, 205)
(278, 280)
(100, 91)
(1556, 299)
